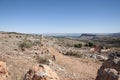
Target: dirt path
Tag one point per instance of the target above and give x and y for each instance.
(85, 69)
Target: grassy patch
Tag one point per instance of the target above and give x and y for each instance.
(28, 44)
(74, 53)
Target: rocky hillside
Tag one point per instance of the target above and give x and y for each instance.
(33, 57)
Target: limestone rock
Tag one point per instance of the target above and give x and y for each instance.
(41, 72)
(3, 71)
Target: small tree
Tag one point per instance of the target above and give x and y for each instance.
(86, 45)
(90, 44)
(78, 45)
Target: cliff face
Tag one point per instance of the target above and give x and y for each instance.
(87, 36)
(110, 70)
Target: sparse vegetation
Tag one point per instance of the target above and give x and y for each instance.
(78, 45)
(25, 44)
(12, 33)
(86, 45)
(69, 45)
(89, 44)
(15, 33)
(43, 59)
(9, 36)
(28, 44)
(36, 43)
(24, 51)
(74, 53)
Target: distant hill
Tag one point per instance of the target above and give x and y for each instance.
(98, 36)
(87, 36)
(115, 34)
(73, 35)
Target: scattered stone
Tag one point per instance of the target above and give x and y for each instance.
(110, 70)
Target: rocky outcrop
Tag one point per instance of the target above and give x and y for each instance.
(41, 72)
(87, 36)
(3, 71)
(110, 70)
(98, 57)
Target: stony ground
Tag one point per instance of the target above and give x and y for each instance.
(18, 62)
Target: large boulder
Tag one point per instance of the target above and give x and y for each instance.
(110, 70)
(3, 71)
(41, 72)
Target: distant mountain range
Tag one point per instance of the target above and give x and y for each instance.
(63, 34)
(87, 36)
(115, 34)
(76, 35)
(98, 36)
(83, 35)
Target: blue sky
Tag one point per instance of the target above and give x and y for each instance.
(60, 16)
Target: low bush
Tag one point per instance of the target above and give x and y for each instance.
(28, 44)
(43, 59)
(90, 44)
(86, 45)
(78, 45)
(35, 43)
(25, 44)
(73, 53)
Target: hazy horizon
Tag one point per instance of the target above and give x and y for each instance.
(60, 16)
(62, 33)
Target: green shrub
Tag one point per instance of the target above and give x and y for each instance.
(73, 53)
(86, 45)
(90, 44)
(28, 44)
(35, 43)
(25, 44)
(43, 59)
(78, 45)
